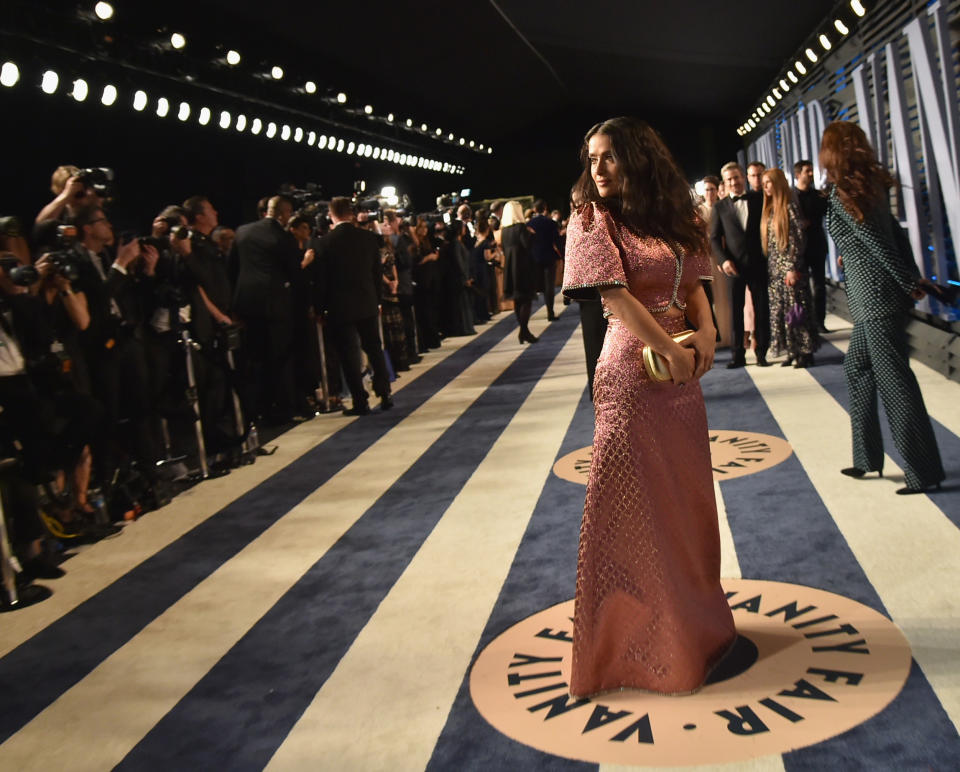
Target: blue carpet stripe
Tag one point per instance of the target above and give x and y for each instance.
(832, 379)
(543, 574)
(270, 676)
(67, 650)
(812, 551)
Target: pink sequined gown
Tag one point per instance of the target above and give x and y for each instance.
(650, 612)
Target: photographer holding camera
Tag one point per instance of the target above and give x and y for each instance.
(211, 323)
(112, 344)
(43, 416)
(74, 189)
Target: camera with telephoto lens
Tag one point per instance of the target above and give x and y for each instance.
(99, 180)
(18, 273)
(63, 258)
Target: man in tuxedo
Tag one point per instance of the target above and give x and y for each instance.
(265, 265)
(735, 240)
(349, 268)
(813, 205)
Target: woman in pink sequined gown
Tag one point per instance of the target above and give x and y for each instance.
(650, 612)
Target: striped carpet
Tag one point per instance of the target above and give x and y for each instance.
(321, 608)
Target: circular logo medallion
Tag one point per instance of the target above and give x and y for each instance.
(733, 454)
(807, 665)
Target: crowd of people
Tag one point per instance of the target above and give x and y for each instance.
(767, 238)
(132, 365)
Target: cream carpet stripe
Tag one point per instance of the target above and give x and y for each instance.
(411, 657)
(940, 394)
(729, 564)
(908, 549)
(124, 697)
(103, 563)
(762, 764)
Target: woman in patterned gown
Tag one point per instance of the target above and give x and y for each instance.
(781, 237)
(650, 612)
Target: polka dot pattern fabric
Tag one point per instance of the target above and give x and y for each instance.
(879, 279)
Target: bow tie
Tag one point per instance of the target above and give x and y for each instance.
(740, 198)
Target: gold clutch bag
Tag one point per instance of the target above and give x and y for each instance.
(657, 367)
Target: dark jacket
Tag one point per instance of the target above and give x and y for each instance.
(348, 260)
(879, 274)
(813, 205)
(728, 239)
(264, 263)
(546, 240)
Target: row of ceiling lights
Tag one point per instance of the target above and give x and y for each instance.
(50, 84)
(797, 71)
(104, 11)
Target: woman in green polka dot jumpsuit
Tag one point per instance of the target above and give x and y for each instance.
(882, 284)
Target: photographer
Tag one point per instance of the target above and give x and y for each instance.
(74, 189)
(43, 415)
(112, 344)
(167, 285)
(210, 323)
(403, 249)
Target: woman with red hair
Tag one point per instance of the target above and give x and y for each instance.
(792, 327)
(882, 285)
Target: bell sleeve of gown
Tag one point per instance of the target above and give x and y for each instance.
(593, 258)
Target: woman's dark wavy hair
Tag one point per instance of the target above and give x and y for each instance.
(851, 164)
(655, 198)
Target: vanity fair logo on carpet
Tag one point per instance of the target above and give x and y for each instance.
(733, 454)
(808, 665)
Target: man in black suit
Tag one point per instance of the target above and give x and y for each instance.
(348, 264)
(813, 205)
(735, 240)
(265, 265)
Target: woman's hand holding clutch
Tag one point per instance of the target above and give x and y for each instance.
(704, 342)
(683, 363)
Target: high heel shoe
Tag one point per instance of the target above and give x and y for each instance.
(856, 472)
(530, 337)
(909, 491)
(787, 362)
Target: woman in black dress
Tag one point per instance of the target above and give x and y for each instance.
(521, 274)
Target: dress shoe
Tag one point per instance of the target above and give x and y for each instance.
(856, 472)
(41, 567)
(762, 360)
(386, 403)
(909, 490)
(735, 362)
(361, 409)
